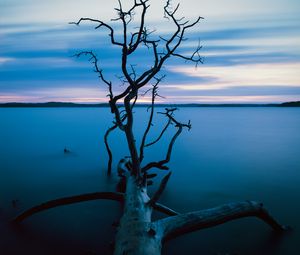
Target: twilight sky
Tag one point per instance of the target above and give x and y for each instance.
(251, 51)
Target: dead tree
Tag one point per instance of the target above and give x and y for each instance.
(137, 233)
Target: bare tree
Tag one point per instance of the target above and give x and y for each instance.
(137, 233)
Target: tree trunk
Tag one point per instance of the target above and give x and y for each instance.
(136, 233)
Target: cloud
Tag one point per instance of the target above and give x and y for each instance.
(230, 99)
(4, 60)
(84, 95)
(249, 44)
(14, 11)
(244, 74)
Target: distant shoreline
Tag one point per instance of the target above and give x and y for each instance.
(69, 105)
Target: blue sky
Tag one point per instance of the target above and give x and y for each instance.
(251, 51)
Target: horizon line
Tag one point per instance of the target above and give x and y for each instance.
(72, 104)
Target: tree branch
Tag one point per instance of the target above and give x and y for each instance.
(160, 190)
(110, 157)
(134, 101)
(195, 57)
(179, 33)
(101, 24)
(164, 209)
(136, 171)
(122, 17)
(180, 126)
(154, 94)
(189, 222)
(69, 200)
(95, 61)
(112, 100)
(161, 134)
(133, 46)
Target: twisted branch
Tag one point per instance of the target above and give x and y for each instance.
(170, 50)
(110, 156)
(164, 209)
(153, 96)
(192, 221)
(133, 46)
(160, 190)
(101, 24)
(69, 200)
(180, 126)
(94, 60)
(160, 135)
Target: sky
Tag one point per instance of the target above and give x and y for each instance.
(251, 51)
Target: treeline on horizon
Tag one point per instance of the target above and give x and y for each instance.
(69, 104)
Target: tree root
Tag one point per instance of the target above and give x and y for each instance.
(68, 200)
(117, 196)
(188, 222)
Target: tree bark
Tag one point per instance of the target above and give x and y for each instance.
(185, 223)
(136, 233)
(68, 200)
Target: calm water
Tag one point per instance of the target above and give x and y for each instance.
(231, 154)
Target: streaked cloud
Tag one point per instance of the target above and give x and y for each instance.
(246, 74)
(83, 94)
(251, 51)
(231, 99)
(4, 60)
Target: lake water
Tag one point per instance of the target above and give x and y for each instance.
(230, 154)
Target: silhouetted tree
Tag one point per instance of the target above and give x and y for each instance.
(137, 233)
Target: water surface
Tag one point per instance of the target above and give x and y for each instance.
(230, 154)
